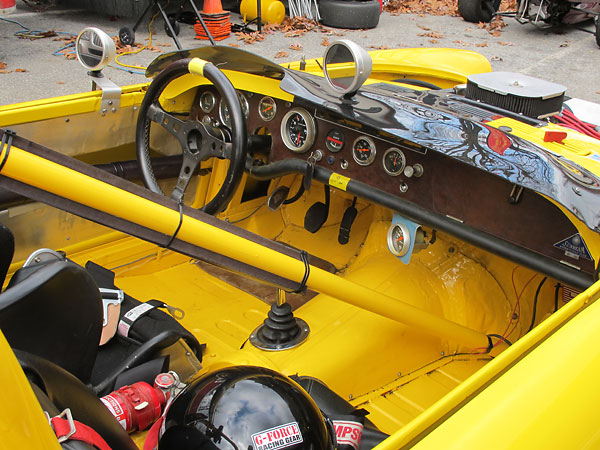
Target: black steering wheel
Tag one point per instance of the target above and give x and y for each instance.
(198, 141)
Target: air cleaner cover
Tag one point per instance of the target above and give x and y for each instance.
(516, 92)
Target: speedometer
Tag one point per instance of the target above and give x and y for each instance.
(298, 130)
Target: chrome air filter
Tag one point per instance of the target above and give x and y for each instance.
(518, 93)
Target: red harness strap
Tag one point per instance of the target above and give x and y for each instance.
(66, 428)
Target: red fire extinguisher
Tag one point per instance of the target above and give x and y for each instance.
(137, 406)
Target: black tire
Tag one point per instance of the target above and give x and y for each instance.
(351, 14)
(175, 25)
(478, 10)
(598, 30)
(127, 36)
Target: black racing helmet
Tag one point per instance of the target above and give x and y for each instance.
(244, 408)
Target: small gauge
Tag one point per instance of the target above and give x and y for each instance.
(364, 151)
(394, 161)
(334, 140)
(224, 110)
(298, 130)
(398, 239)
(267, 108)
(207, 101)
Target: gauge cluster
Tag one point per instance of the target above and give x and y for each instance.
(348, 148)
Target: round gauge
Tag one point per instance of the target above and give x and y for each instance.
(394, 161)
(398, 239)
(334, 140)
(267, 108)
(364, 151)
(224, 110)
(298, 130)
(207, 101)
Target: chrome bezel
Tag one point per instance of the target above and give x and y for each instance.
(213, 101)
(403, 156)
(360, 58)
(310, 130)
(99, 40)
(390, 239)
(271, 101)
(371, 158)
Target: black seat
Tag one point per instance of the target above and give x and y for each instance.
(54, 310)
(7, 250)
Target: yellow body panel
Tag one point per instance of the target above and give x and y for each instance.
(22, 423)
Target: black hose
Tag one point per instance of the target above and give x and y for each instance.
(139, 356)
(535, 300)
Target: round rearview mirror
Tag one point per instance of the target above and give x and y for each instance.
(95, 49)
(347, 66)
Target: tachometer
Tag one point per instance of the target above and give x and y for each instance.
(364, 151)
(298, 130)
(394, 161)
(267, 108)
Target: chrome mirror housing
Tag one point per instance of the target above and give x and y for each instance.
(347, 66)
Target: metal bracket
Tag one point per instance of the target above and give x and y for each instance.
(111, 94)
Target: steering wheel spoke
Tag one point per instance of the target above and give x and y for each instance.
(198, 141)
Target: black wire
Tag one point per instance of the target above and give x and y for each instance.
(297, 195)
(302, 285)
(502, 338)
(535, 300)
(556, 289)
(178, 225)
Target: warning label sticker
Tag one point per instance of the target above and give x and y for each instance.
(277, 437)
(574, 247)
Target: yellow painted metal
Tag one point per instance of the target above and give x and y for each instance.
(441, 66)
(548, 400)
(449, 404)
(65, 106)
(36, 171)
(23, 425)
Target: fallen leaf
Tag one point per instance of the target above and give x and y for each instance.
(2, 65)
(509, 44)
(496, 58)
(234, 45)
(379, 47)
(433, 34)
(481, 25)
(566, 44)
(60, 82)
(482, 44)
(423, 27)
(5, 71)
(325, 42)
(296, 46)
(21, 70)
(281, 55)
(496, 33)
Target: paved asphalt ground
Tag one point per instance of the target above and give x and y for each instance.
(567, 56)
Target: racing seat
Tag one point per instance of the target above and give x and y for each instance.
(54, 310)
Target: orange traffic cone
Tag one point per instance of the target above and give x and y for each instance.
(212, 7)
(216, 20)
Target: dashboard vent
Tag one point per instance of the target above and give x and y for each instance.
(518, 93)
